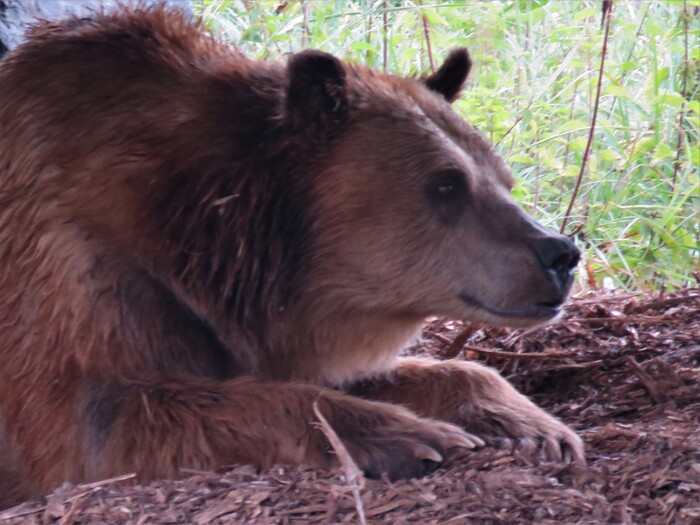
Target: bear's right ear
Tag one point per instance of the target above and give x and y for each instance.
(316, 92)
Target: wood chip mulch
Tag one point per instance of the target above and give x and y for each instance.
(624, 370)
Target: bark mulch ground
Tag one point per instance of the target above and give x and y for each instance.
(624, 370)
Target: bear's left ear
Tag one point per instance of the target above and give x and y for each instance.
(316, 92)
(449, 79)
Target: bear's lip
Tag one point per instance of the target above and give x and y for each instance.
(540, 312)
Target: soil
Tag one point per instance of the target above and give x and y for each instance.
(623, 370)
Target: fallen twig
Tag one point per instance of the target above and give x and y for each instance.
(353, 475)
(662, 303)
(620, 319)
(516, 355)
(603, 299)
(102, 482)
(455, 347)
(85, 489)
(20, 513)
(647, 381)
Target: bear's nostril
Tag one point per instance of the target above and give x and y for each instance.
(566, 263)
(550, 304)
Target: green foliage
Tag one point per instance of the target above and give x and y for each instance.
(532, 91)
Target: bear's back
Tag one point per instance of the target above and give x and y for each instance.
(111, 130)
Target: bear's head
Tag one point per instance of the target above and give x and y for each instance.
(413, 213)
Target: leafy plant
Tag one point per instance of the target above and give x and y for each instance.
(637, 215)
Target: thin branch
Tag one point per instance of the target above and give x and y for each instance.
(353, 474)
(632, 48)
(368, 54)
(455, 347)
(536, 196)
(655, 392)
(305, 34)
(621, 319)
(571, 118)
(684, 94)
(568, 146)
(18, 512)
(426, 32)
(591, 133)
(517, 120)
(108, 481)
(516, 355)
(385, 34)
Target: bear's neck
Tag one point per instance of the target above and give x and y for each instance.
(335, 347)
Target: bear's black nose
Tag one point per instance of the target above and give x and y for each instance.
(558, 256)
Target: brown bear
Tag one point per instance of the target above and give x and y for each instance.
(196, 247)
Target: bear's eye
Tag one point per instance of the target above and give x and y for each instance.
(447, 185)
(447, 193)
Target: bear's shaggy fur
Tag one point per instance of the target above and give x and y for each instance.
(195, 247)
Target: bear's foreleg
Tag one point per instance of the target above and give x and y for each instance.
(157, 430)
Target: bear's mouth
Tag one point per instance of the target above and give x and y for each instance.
(537, 312)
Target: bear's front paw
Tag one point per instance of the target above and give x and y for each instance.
(513, 416)
(545, 438)
(488, 405)
(387, 439)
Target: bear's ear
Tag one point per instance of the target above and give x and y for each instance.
(449, 79)
(316, 92)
